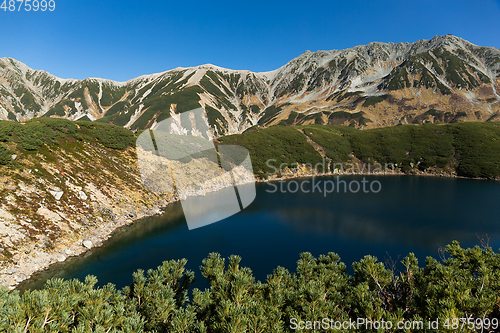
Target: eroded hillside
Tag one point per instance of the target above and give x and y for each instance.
(63, 184)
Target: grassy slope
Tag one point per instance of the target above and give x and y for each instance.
(467, 149)
(34, 134)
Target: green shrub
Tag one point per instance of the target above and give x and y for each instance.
(6, 130)
(277, 144)
(470, 149)
(38, 132)
(478, 149)
(374, 100)
(108, 135)
(464, 284)
(5, 155)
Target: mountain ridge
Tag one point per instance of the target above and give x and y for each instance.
(373, 85)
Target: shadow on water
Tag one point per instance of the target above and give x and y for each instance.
(409, 214)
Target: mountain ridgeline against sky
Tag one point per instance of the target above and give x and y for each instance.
(445, 79)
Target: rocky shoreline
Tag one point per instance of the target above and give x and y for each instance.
(59, 202)
(32, 258)
(273, 178)
(304, 173)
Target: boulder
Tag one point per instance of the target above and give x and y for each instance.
(48, 214)
(57, 194)
(86, 243)
(9, 271)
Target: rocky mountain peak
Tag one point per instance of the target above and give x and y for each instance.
(386, 83)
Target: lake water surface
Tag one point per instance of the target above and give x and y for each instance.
(408, 214)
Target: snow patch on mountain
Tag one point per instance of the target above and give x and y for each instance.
(198, 75)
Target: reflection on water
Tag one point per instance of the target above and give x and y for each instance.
(421, 212)
(409, 214)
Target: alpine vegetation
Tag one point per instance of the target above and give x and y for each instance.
(459, 293)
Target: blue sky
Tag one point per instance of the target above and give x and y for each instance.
(122, 39)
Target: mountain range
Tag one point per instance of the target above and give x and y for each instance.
(441, 80)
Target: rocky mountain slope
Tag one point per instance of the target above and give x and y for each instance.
(64, 187)
(445, 79)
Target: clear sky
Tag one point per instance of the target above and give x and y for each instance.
(123, 39)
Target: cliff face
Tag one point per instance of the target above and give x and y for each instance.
(65, 195)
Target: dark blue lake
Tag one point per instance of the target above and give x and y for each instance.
(408, 214)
